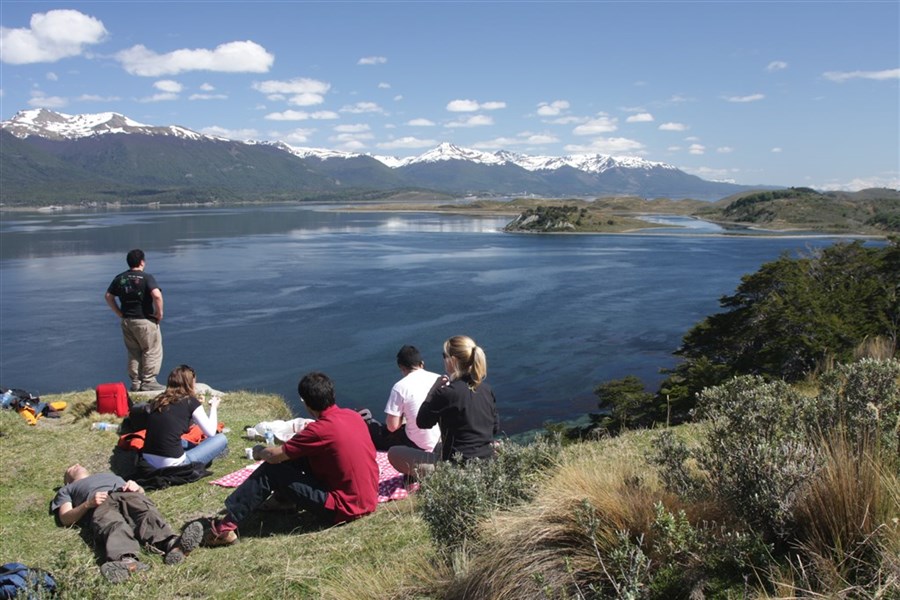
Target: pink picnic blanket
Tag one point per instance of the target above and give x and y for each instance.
(391, 482)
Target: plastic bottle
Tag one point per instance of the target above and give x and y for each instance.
(270, 437)
(102, 426)
(6, 399)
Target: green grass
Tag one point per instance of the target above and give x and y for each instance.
(279, 556)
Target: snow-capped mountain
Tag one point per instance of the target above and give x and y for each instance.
(44, 150)
(57, 126)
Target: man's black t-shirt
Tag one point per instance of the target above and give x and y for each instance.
(133, 289)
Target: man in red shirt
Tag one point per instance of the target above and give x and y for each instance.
(328, 468)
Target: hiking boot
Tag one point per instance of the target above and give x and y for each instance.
(117, 571)
(181, 546)
(135, 386)
(152, 386)
(224, 538)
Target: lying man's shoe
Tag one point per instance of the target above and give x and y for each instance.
(117, 571)
(189, 539)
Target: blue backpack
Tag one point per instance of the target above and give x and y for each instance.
(16, 578)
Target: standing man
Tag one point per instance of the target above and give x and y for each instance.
(403, 404)
(140, 306)
(121, 520)
(328, 468)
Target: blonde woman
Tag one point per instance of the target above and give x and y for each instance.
(462, 405)
(170, 415)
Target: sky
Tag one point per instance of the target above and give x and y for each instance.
(802, 93)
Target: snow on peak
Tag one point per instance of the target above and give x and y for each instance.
(54, 125)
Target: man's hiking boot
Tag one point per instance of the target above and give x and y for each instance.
(181, 546)
(152, 386)
(117, 571)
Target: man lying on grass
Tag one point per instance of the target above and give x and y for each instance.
(121, 520)
(328, 468)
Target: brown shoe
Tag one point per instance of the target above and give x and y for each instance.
(117, 571)
(189, 539)
(225, 538)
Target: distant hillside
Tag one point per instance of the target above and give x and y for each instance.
(52, 158)
(875, 210)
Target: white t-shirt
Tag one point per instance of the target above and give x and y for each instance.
(406, 397)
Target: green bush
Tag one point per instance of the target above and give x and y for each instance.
(456, 497)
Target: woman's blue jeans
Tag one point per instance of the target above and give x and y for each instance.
(208, 449)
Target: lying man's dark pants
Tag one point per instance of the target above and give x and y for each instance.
(125, 521)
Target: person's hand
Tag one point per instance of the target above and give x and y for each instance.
(97, 499)
(257, 451)
(214, 401)
(132, 486)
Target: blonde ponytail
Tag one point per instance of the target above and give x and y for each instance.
(471, 360)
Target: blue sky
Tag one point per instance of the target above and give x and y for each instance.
(778, 93)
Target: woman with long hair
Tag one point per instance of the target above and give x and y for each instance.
(462, 405)
(170, 415)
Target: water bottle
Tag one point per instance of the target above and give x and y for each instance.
(102, 426)
(270, 437)
(6, 399)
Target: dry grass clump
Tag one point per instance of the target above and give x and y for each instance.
(553, 547)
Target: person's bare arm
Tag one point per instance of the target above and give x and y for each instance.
(393, 422)
(157, 304)
(270, 454)
(69, 515)
(111, 301)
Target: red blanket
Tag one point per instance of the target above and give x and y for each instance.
(391, 483)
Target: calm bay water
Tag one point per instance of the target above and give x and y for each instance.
(256, 297)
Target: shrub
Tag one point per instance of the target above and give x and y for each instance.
(757, 456)
(455, 498)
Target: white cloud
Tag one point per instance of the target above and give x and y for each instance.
(301, 115)
(775, 150)
(300, 91)
(473, 105)
(96, 98)
(362, 107)
(39, 100)
(725, 150)
(552, 109)
(167, 85)
(407, 142)
(53, 35)
(163, 97)
(602, 124)
(842, 76)
(863, 183)
(231, 134)
(207, 97)
(473, 121)
(420, 123)
(51, 76)
(352, 128)
(523, 139)
(372, 60)
(207, 87)
(697, 149)
(606, 146)
(344, 138)
(750, 98)
(384, 85)
(398, 97)
(643, 117)
(673, 127)
(566, 120)
(297, 136)
(232, 57)
(711, 173)
(776, 65)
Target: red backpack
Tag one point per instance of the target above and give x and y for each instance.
(113, 398)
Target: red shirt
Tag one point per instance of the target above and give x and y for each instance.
(341, 455)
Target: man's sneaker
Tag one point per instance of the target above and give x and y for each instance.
(152, 386)
(117, 571)
(184, 544)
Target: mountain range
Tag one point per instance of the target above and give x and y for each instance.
(48, 157)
